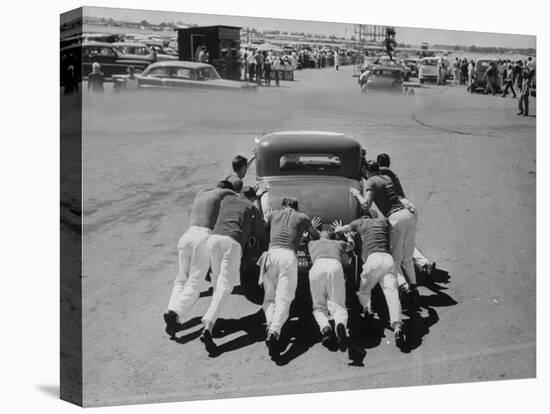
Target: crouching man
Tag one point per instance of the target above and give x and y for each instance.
(225, 245)
(378, 267)
(279, 266)
(328, 287)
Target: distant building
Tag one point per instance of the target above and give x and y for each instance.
(222, 43)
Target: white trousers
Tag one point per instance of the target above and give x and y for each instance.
(419, 259)
(280, 281)
(402, 241)
(328, 292)
(225, 261)
(193, 263)
(380, 268)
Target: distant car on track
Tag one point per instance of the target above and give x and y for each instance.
(383, 79)
(185, 75)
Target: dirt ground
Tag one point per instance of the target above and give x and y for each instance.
(466, 161)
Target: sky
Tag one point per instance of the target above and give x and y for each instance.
(408, 35)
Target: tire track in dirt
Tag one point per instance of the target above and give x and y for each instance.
(449, 130)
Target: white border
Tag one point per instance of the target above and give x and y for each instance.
(30, 206)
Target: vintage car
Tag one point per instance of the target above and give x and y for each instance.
(162, 52)
(395, 63)
(112, 60)
(136, 50)
(428, 69)
(479, 79)
(412, 64)
(190, 75)
(383, 79)
(318, 168)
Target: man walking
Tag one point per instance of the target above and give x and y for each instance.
(523, 102)
(509, 82)
(279, 266)
(328, 287)
(259, 57)
(267, 68)
(251, 62)
(225, 245)
(380, 190)
(378, 267)
(96, 78)
(193, 262)
(491, 76)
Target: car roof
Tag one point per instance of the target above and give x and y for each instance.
(94, 43)
(270, 147)
(87, 43)
(180, 64)
(133, 44)
(389, 68)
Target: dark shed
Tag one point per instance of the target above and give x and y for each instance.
(222, 44)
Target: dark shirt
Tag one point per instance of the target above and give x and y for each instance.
(491, 72)
(95, 81)
(206, 207)
(327, 249)
(287, 228)
(375, 235)
(385, 196)
(236, 219)
(395, 180)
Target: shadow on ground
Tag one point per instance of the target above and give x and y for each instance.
(301, 332)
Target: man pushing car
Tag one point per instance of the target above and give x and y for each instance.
(279, 266)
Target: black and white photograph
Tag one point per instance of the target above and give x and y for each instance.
(256, 206)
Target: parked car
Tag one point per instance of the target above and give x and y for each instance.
(428, 69)
(162, 52)
(480, 81)
(318, 168)
(183, 74)
(111, 59)
(136, 50)
(383, 79)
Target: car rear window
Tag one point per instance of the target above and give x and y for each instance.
(430, 62)
(309, 162)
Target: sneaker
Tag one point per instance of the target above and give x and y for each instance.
(171, 320)
(399, 335)
(272, 343)
(342, 337)
(520, 113)
(206, 339)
